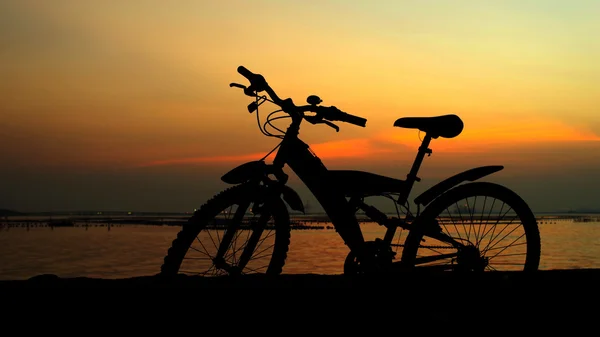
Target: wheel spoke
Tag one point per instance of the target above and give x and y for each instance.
(222, 225)
(494, 225)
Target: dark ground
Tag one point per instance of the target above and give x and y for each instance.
(546, 300)
(557, 281)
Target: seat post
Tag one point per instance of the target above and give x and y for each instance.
(412, 175)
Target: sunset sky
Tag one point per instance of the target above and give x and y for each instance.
(126, 105)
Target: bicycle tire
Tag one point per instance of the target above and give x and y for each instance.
(525, 253)
(277, 239)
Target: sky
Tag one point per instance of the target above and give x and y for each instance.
(126, 105)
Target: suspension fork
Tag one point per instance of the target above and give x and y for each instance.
(254, 240)
(259, 196)
(219, 260)
(234, 225)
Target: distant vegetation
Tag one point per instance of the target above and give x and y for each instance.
(6, 212)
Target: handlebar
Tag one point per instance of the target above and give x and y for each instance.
(258, 84)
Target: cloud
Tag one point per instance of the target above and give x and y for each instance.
(206, 160)
(340, 149)
(502, 137)
(508, 134)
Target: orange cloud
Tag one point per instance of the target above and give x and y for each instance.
(350, 148)
(209, 159)
(530, 133)
(507, 133)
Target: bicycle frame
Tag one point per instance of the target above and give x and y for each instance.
(331, 187)
(435, 239)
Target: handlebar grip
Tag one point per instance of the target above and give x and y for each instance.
(333, 113)
(348, 118)
(245, 72)
(257, 82)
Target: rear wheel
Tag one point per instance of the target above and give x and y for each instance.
(496, 228)
(238, 231)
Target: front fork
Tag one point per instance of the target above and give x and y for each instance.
(259, 196)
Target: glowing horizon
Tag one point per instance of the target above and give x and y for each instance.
(527, 132)
(108, 87)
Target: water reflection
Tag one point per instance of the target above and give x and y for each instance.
(137, 250)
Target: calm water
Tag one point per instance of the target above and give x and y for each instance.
(138, 250)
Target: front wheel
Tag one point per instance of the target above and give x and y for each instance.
(239, 231)
(480, 226)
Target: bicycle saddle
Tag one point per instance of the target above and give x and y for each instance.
(446, 126)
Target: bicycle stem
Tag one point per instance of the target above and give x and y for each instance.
(292, 132)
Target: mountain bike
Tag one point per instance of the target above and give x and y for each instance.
(465, 224)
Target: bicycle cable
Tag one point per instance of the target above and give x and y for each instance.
(269, 118)
(268, 154)
(263, 131)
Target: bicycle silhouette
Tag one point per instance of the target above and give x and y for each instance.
(466, 225)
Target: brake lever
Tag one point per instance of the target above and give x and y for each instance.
(237, 85)
(249, 91)
(320, 120)
(328, 123)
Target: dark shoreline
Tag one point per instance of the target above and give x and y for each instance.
(543, 300)
(585, 279)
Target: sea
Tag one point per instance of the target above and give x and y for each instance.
(123, 250)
